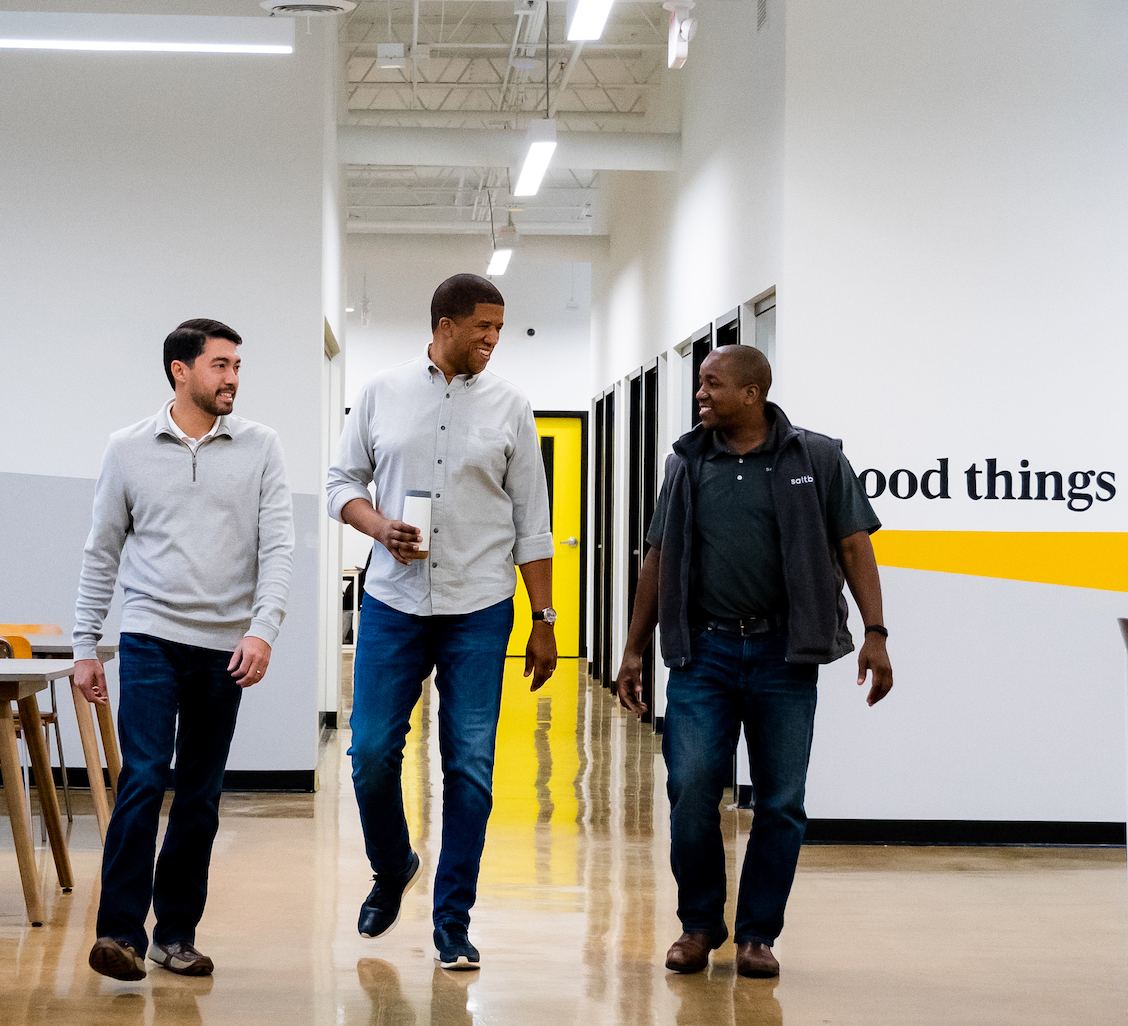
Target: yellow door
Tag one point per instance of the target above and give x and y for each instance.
(564, 437)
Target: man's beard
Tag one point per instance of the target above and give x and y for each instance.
(209, 402)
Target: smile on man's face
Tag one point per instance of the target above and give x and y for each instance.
(720, 398)
(212, 379)
(473, 338)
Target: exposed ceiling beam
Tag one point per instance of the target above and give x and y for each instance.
(462, 228)
(450, 119)
(434, 147)
(530, 49)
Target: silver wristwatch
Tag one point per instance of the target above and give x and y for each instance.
(547, 615)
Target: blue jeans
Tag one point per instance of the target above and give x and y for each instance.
(174, 698)
(395, 653)
(732, 680)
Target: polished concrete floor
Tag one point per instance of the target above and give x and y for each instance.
(576, 910)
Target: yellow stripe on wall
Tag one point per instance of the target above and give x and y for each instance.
(1078, 559)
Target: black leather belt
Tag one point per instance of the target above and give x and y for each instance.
(746, 627)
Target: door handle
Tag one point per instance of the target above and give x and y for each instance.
(570, 542)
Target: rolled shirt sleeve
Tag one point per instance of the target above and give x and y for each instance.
(527, 489)
(352, 470)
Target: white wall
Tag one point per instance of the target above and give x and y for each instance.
(547, 287)
(690, 246)
(937, 192)
(138, 190)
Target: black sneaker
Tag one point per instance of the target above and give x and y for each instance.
(381, 909)
(453, 949)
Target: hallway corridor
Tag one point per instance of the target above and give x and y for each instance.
(576, 910)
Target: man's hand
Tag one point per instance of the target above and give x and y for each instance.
(90, 679)
(628, 684)
(399, 539)
(249, 661)
(540, 654)
(874, 657)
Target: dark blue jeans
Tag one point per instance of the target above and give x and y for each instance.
(395, 653)
(732, 680)
(174, 698)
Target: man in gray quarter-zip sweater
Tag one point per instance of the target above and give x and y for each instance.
(193, 518)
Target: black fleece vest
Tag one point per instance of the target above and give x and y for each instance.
(804, 466)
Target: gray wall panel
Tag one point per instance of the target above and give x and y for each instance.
(44, 522)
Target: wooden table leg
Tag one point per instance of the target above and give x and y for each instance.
(45, 785)
(17, 810)
(93, 759)
(109, 744)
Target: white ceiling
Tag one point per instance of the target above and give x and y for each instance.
(481, 64)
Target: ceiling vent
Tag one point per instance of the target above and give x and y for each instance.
(330, 7)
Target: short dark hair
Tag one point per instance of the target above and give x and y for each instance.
(751, 365)
(189, 340)
(457, 296)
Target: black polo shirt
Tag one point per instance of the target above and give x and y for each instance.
(736, 569)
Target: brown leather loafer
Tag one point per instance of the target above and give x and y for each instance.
(753, 959)
(690, 953)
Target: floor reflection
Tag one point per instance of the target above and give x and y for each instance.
(576, 909)
(721, 998)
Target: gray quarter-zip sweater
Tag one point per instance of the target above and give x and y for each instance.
(201, 542)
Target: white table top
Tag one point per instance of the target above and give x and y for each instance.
(17, 670)
(60, 645)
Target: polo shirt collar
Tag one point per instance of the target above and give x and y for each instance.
(167, 426)
(717, 448)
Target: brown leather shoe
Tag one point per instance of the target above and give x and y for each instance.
(690, 953)
(753, 959)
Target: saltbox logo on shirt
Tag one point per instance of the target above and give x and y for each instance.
(805, 479)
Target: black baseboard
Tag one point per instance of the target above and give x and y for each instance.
(233, 780)
(76, 777)
(269, 780)
(962, 832)
(328, 720)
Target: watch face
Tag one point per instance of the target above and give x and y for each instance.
(550, 615)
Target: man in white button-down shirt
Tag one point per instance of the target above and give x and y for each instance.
(441, 424)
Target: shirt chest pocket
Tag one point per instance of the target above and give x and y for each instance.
(486, 451)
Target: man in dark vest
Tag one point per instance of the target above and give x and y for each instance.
(756, 528)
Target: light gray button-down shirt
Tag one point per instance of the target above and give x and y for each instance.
(473, 445)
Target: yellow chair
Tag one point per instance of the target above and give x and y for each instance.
(13, 633)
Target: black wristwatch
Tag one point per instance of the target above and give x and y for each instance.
(877, 629)
(548, 615)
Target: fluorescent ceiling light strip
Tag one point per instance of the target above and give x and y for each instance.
(586, 18)
(536, 164)
(140, 33)
(499, 261)
(140, 47)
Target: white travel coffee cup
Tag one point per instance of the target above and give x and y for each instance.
(417, 513)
